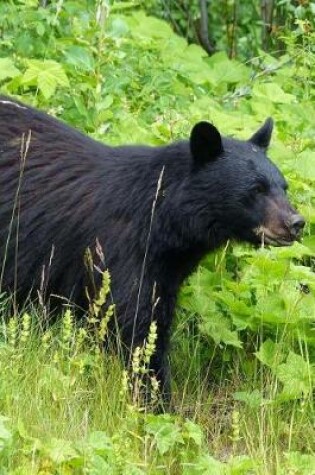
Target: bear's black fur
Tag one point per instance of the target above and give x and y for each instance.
(154, 210)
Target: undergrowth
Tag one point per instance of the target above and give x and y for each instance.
(69, 407)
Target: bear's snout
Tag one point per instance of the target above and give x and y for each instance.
(283, 224)
(296, 225)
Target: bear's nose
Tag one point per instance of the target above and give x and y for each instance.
(297, 223)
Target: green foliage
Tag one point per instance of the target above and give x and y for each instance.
(239, 28)
(246, 316)
(45, 75)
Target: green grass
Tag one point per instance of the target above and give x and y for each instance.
(68, 411)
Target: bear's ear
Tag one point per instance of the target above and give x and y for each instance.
(205, 143)
(262, 137)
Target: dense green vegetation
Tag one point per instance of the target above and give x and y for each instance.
(240, 28)
(244, 340)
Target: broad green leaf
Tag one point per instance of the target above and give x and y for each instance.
(218, 328)
(208, 465)
(302, 273)
(270, 308)
(235, 304)
(296, 375)
(148, 27)
(299, 302)
(166, 432)
(309, 242)
(263, 107)
(270, 353)
(273, 92)
(225, 70)
(98, 466)
(297, 251)
(305, 165)
(80, 58)
(40, 29)
(252, 399)
(60, 451)
(118, 28)
(106, 103)
(47, 75)
(264, 270)
(193, 431)
(191, 64)
(299, 463)
(279, 152)
(308, 212)
(7, 69)
(99, 441)
(243, 465)
(226, 121)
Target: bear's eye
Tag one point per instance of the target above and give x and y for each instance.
(259, 188)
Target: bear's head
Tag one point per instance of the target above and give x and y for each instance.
(246, 192)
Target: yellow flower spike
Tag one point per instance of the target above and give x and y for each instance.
(26, 325)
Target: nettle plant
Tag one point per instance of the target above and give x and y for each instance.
(260, 303)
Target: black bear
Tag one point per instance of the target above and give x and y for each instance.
(155, 211)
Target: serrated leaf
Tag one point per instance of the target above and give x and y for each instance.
(219, 329)
(47, 85)
(46, 75)
(270, 353)
(295, 374)
(264, 271)
(165, 431)
(270, 308)
(236, 306)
